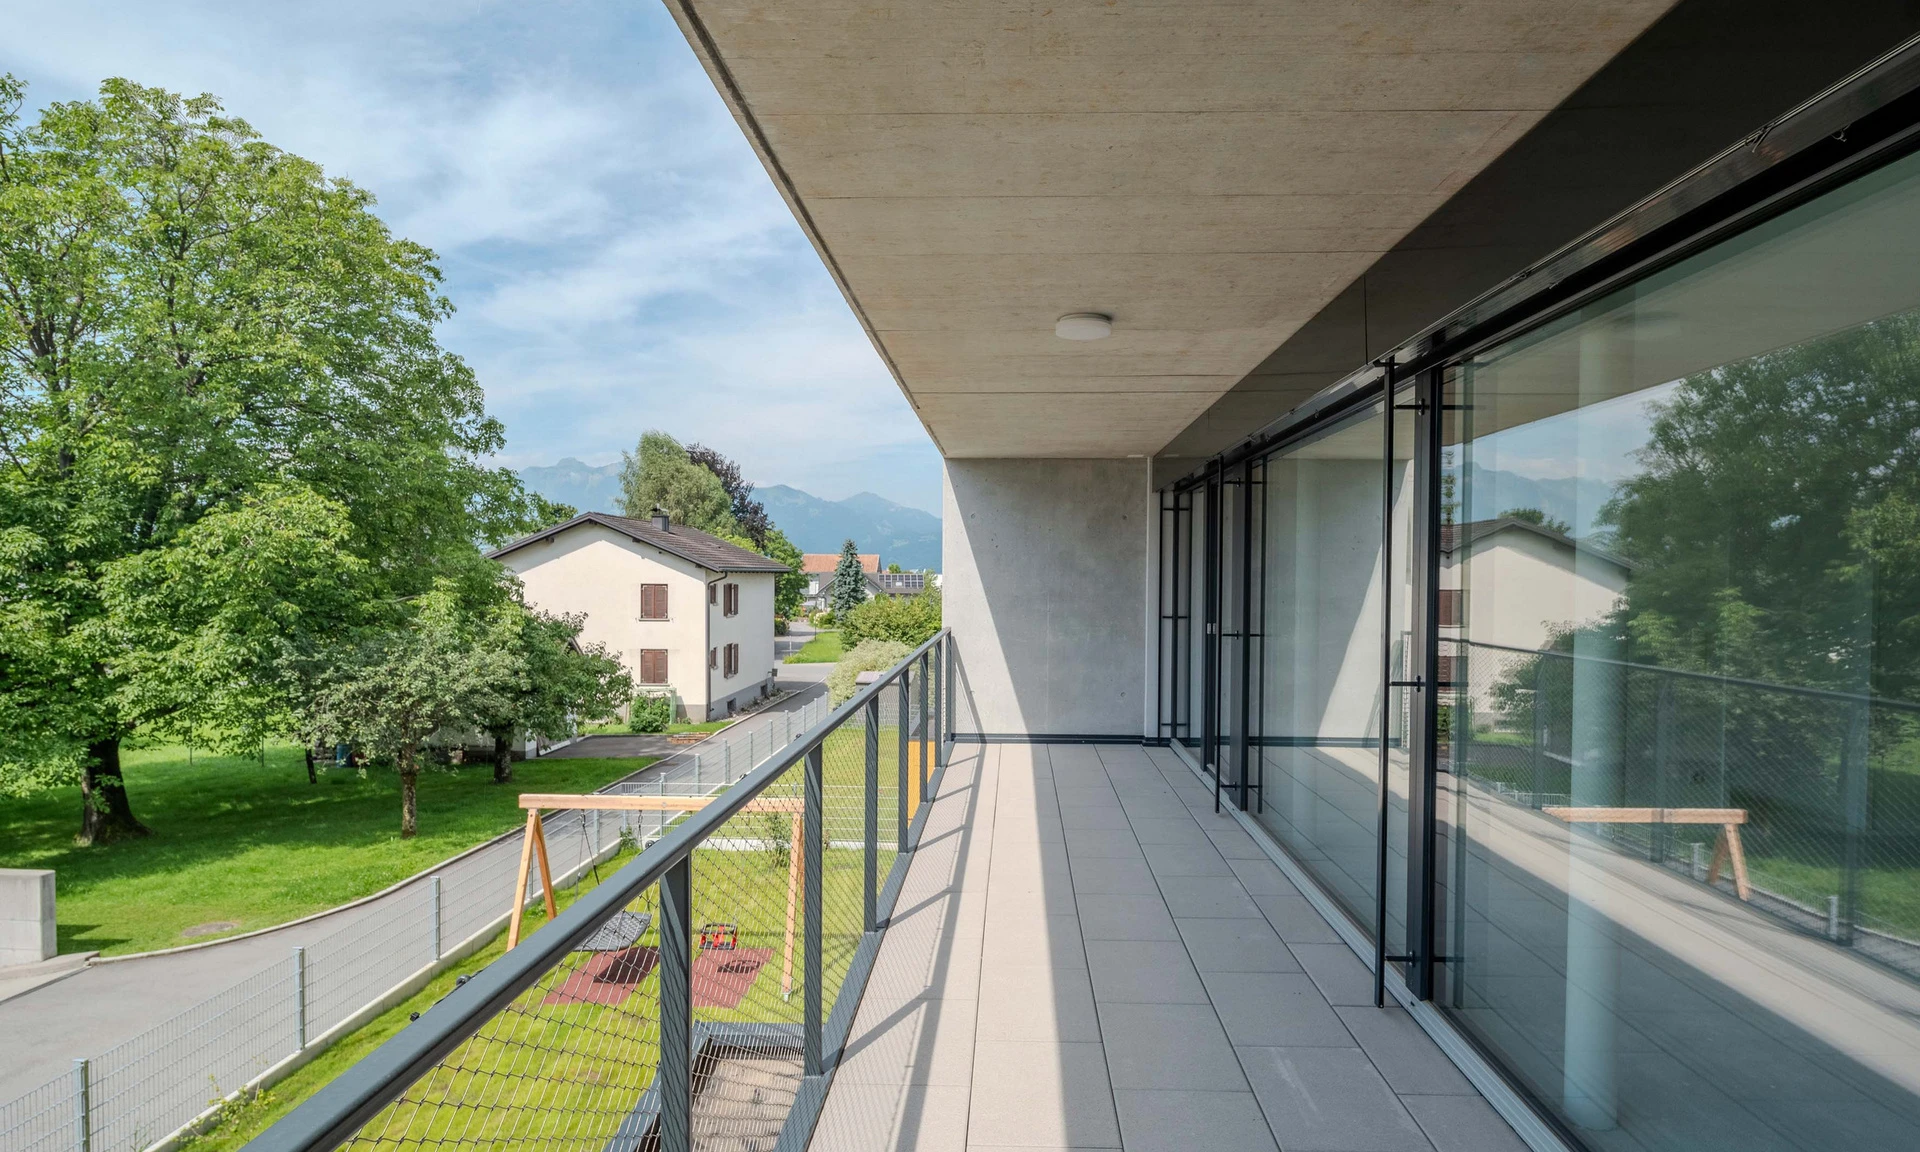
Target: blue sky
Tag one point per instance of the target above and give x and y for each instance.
(619, 258)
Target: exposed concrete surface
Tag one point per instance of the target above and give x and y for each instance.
(1088, 956)
(1211, 174)
(1046, 573)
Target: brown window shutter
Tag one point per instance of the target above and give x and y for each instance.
(1452, 600)
(713, 593)
(713, 658)
(653, 601)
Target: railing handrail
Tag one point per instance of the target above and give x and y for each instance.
(333, 1114)
(1706, 677)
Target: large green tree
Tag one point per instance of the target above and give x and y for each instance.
(660, 474)
(849, 588)
(757, 529)
(204, 339)
(548, 680)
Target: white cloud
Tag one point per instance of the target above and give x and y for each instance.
(619, 259)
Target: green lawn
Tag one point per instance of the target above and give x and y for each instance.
(619, 727)
(824, 648)
(257, 846)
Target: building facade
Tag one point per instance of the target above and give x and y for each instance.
(688, 613)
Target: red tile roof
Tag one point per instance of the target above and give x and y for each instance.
(824, 562)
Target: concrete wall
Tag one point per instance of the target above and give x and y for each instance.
(26, 916)
(1046, 565)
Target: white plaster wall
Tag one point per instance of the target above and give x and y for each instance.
(752, 629)
(598, 572)
(1046, 564)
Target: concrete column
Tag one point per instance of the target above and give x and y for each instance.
(26, 916)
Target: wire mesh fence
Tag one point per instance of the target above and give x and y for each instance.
(698, 998)
(1826, 784)
(146, 1089)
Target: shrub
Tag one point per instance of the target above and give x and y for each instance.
(872, 656)
(911, 620)
(650, 713)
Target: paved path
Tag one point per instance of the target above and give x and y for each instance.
(107, 1004)
(1086, 956)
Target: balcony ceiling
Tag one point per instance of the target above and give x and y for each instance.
(1210, 174)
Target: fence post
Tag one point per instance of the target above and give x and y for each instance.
(1661, 835)
(676, 1008)
(872, 796)
(924, 750)
(1539, 728)
(901, 727)
(811, 878)
(436, 918)
(1853, 796)
(952, 681)
(82, 1107)
(933, 718)
(300, 998)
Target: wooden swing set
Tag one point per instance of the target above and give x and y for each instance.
(534, 847)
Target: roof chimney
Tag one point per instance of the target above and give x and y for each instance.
(661, 519)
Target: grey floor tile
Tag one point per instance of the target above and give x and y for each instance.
(1235, 945)
(1329, 1100)
(1094, 818)
(1085, 796)
(1113, 878)
(1102, 844)
(1046, 1004)
(1058, 946)
(1409, 1059)
(1181, 860)
(1120, 917)
(1143, 972)
(1235, 844)
(894, 1118)
(1046, 1095)
(1261, 877)
(1459, 1124)
(1168, 1121)
(1028, 827)
(1165, 1046)
(923, 1041)
(1338, 972)
(1210, 897)
(1275, 1010)
(1180, 830)
(1297, 921)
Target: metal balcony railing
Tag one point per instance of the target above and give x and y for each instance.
(698, 998)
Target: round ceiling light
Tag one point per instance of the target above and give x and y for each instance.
(1083, 326)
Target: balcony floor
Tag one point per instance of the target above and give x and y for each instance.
(1085, 956)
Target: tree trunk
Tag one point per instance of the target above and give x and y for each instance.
(409, 799)
(312, 776)
(105, 815)
(502, 757)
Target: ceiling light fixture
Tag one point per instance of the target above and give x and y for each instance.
(1083, 326)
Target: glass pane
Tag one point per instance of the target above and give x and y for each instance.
(1682, 883)
(1320, 696)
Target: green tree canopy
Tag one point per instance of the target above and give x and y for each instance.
(660, 474)
(910, 620)
(211, 351)
(849, 581)
(548, 680)
(1536, 516)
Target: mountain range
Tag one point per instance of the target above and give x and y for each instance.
(901, 535)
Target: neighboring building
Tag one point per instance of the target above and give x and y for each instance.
(686, 612)
(1544, 581)
(820, 567)
(896, 583)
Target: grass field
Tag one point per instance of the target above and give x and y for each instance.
(824, 648)
(235, 841)
(619, 727)
(565, 1074)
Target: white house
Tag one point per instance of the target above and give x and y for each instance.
(686, 612)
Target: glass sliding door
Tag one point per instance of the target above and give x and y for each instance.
(1681, 623)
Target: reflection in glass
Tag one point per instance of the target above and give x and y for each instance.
(1680, 584)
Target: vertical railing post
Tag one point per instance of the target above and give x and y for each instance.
(1853, 793)
(924, 749)
(952, 680)
(676, 1008)
(933, 719)
(900, 724)
(299, 999)
(82, 1107)
(435, 901)
(1660, 836)
(811, 849)
(870, 899)
(1539, 728)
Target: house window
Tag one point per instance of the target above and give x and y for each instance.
(653, 665)
(732, 598)
(713, 593)
(1453, 607)
(733, 660)
(653, 601)
(713, 658)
